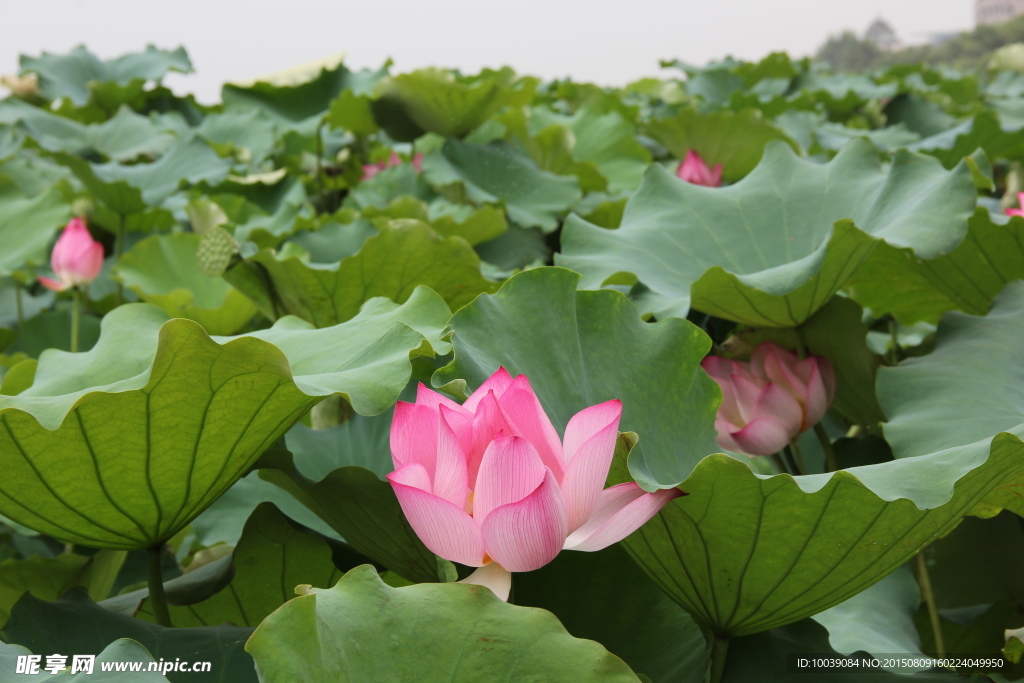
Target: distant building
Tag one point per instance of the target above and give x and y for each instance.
(996, 11)
(882, 35)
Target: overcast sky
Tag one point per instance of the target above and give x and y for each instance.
(606, 41)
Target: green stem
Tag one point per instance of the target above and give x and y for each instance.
(719, 653)
(75, 314)
(157, 597)
(831, 464)
(118, 250)
(780, 465)
(893, 355)
(319, 167)
(791, 461)
(929, 597)
(799, 455)
(17, 304)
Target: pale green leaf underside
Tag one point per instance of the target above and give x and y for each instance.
(773, 248)
(364, 630)
(123, 445)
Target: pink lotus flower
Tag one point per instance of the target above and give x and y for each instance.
(1020, 211)
(771, 399)
(76, 259)
(489, 483)
(694, 169)
(370, 170)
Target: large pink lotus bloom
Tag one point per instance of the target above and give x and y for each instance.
(695, 170)
(76, 259)
(771, 399)
(1020, 211)
(489, 483)
(370, 170)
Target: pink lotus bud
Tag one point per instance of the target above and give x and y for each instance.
(694, 170)
(490, 484)
(76, 259)
(1020, 202)
(771, 399)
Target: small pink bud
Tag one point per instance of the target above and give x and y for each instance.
(694, 169)
(76, 259)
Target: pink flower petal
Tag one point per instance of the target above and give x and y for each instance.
(450, 480)
(432, 399)
(817, 400)
(414, 475)
(510, 471)
(528, 534)
(590, 460)
(715, 179)
(747, 392)
(762, 436)
(620, 511)
(719, 368)
(777, 403)
(414, 435)
(725, 429)
(461, 423)
(779, 371)
(498, 383)
(488, 422)
(50, 283)
(493, 576)
(444, 528)
(527, 418)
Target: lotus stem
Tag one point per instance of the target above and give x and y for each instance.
(780, 464)
(893, 355)
(18, 306)
(787, 451)
(319, 167)
(719, 654)
(929, 598)
(831, 464)
(157, 597)
(801, 467)
(118, 250)
(75, 314)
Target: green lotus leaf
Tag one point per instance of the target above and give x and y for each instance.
(52, 330)
(967, 389)
(163, 270)
(773, 248)
(745, 553)
(75, 624)
(405, 255)
(893, 281)
(70, 75)
(606, 597)
(250, 130)
(193, 586)
(273, 557)
(437, 101)
(28, 226)
(264, 212)
(299, 102)
(574, 347)
(124, 137)
(735, 140)
(364, 630)
(496, 173)
(123, 650)
(174, 417)
(984, 130)
(353, 113)
(46, 578)
(475, 225)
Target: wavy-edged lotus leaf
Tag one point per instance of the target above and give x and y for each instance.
(75, 624)
(894, 281)
(580, 348)
(475, 225)
(984, 130)
(46, 578)
(497, 173)
(163, 270)
(172, 417)
(364, 630)
(273, 556)
(405, 255)
(773, 248)
(745, 553)
(70, 75)
(27, 226)
(734, 139)
(968, 388)
(437, 101)
(249, 134)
